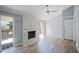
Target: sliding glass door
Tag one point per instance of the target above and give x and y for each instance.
(6, 32)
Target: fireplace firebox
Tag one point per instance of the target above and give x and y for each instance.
(31, 34)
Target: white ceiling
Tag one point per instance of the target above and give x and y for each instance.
(39, 10)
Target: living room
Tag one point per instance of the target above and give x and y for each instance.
(43, 28)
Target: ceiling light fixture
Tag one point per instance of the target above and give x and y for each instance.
(48, 11)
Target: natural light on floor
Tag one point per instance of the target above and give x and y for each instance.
(41, 36)
(9, 40)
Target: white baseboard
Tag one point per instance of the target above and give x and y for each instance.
(18, 44)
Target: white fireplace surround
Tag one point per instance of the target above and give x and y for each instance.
(26, 41)
(30, 23)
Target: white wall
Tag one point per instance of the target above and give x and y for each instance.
(17, 30)
(54, 26)
(76, 17)
(68, 11)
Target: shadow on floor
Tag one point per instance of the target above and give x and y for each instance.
(5, 46)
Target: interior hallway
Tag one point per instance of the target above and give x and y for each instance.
(46, 45)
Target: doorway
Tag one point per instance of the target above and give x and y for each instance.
(68, 29)
(7, 31)
(41, 26)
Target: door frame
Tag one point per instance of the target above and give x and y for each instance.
(0, 36)
(63, 28)
(11, 15)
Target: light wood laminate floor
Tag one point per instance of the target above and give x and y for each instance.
(46, 45)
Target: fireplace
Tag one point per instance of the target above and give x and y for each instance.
(31, 34)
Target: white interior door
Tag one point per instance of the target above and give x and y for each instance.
(68, 29)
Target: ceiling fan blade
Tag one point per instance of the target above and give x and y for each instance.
(48, 11)
(53, 11)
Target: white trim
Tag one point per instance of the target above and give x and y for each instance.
(68, 17)
(18, 44)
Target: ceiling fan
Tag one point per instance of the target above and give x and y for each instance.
(48, 11)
